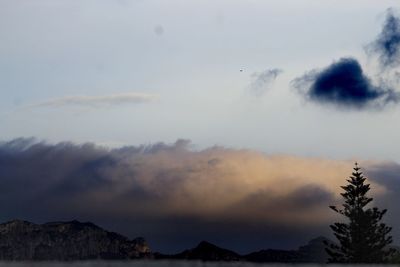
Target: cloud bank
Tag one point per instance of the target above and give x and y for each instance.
(97, 101)
(344, 84)
(242, 199)
(262, 81)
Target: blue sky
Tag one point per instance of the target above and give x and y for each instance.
(182, 60)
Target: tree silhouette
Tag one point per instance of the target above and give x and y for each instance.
(363, 238)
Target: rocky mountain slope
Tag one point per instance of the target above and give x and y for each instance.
(22, 240)
(64, 241)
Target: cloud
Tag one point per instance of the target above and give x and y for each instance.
(261, 81)
(242, 199)
(344, 84)
(388, 175)
(97, 101)
(387, 44)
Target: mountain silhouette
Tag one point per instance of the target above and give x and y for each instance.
(205, 251)
(74, 240)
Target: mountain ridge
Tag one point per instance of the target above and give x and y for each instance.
(74, 240)
(312, 252)
(71, 240)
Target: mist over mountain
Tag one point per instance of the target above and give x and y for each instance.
(234, 198)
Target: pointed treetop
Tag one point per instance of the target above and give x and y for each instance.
(356, 168)
(363, 237)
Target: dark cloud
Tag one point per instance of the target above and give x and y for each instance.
(388, 175)
(262, 81)
(172, 195)
(344, 84)
(387, 44)
(307, 199)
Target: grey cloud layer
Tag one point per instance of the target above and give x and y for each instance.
(97, 101)
(262, 81)
(233, 197)
(387, 44)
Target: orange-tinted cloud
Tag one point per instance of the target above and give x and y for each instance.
(159, 183)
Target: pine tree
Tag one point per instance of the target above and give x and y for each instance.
(363, 238)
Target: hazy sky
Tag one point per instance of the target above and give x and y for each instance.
(131, 72)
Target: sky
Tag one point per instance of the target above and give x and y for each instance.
(142, 96)
(185, 58)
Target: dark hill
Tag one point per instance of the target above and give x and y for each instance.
(22, 240)
(274, 255)
(312, 252)
(74, 240)
(204, 251)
